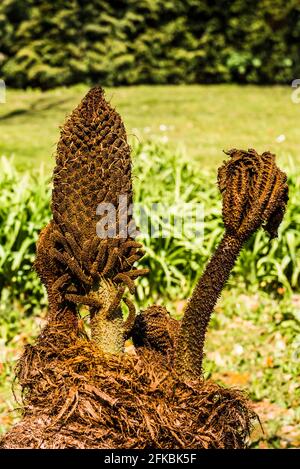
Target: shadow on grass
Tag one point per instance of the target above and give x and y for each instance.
(40, 105)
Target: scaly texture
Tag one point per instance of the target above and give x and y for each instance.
(74, 261)
(255, 194)
(155, 329)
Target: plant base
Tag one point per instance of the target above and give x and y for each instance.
(74, 396)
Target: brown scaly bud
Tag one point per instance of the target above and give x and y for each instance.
(93, 167)
(156, 330)
(255, 194)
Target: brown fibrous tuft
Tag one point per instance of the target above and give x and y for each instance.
(74, 396)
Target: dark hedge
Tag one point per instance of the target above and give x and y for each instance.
(118, 42)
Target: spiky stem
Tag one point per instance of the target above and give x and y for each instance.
(107, 325)
(108, 334)
(189, 350)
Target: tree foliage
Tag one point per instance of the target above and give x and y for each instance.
(47, 44)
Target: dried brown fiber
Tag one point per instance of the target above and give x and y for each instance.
(76, 397)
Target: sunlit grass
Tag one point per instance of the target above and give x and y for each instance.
(202, 120)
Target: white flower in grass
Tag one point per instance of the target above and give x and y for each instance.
(281, 138)
(219, 360)
(280, 345)
(163, 127)
(238, 349)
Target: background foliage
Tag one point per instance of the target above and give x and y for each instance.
(166, 178)
(47, 44)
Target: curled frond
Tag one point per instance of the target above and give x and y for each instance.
(254, 192)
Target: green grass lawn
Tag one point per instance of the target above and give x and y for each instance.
(203, 120)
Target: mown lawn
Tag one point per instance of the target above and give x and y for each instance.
(203, 120)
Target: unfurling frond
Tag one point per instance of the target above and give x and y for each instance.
(254, 192)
